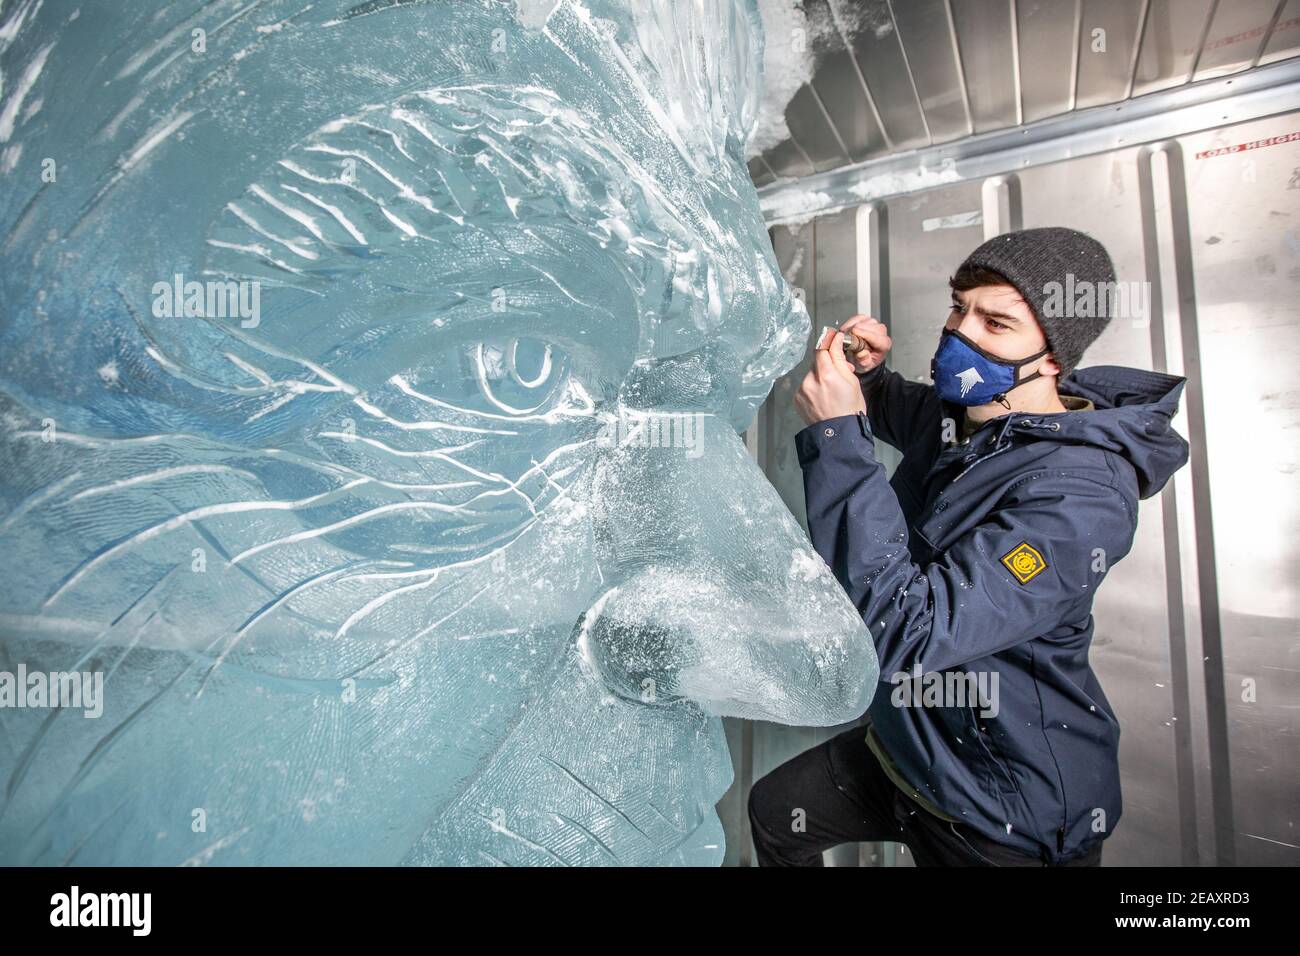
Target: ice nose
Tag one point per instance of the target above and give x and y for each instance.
(715, 593)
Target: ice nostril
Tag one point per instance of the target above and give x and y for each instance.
(636, 660)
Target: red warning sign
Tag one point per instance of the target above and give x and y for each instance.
(1253, 144)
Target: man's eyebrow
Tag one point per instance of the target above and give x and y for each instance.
(992, 314)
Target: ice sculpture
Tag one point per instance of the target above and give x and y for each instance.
(333, 338)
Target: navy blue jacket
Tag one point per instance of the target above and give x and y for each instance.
(983, 556)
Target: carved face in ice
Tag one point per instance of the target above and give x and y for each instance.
(335, 336)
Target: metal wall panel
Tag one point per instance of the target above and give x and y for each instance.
(930, 233)
(1244, 215)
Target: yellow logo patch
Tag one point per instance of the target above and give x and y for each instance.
(1024, 562)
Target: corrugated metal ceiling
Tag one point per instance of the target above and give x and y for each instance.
(914, 73)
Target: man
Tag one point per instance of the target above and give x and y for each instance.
(990, 741)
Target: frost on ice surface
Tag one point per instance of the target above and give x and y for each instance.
(312, 335)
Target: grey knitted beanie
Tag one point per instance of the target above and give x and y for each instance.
(1048, 267)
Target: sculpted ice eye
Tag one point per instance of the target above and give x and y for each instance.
(330, 335)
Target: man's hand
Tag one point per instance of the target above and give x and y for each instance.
(875, 335)
(831, 388)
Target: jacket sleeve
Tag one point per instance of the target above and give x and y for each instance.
(897, 408)
(1016, 576)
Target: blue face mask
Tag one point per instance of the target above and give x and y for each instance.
(967, 375)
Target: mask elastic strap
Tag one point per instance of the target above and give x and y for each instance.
(1001, 397)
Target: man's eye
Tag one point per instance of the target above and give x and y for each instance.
(997, 325)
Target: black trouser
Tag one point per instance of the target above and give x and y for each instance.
(838, 793)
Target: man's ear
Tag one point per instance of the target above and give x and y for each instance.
(1049, 366)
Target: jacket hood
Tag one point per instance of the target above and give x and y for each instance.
(1132, 417)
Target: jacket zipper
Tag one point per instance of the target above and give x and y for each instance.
(1000, 447)
(992, 454)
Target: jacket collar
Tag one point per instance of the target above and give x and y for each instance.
(1128, 411)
